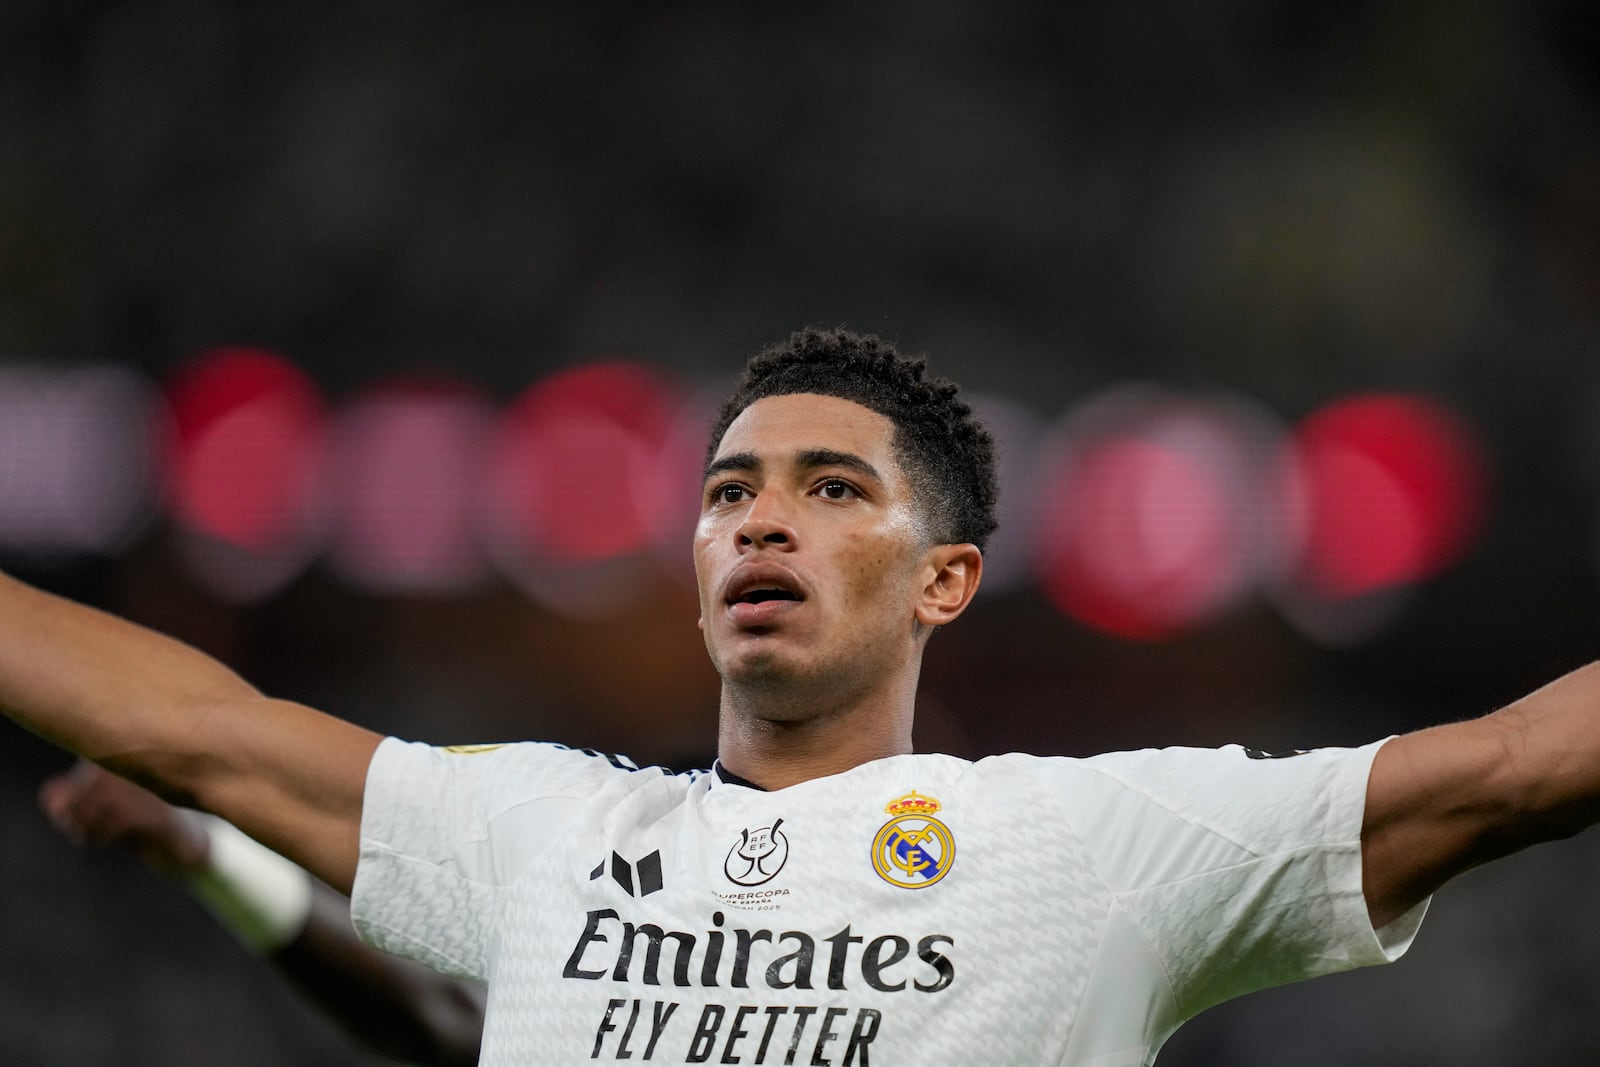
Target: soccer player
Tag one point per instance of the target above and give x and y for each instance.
(823, 895)
(279, 912)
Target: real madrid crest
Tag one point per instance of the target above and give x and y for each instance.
(913, 849)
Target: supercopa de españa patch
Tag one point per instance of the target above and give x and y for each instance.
(913, 850)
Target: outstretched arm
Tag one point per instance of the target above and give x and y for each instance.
(1443, 800)
(173, 719)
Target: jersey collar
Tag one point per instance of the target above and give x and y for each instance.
(725, 775)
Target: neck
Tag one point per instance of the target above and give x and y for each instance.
(778, 745)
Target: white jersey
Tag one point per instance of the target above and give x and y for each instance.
(916, 909)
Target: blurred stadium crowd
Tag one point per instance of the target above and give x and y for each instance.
(370, 349)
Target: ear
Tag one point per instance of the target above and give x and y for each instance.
(953, 574)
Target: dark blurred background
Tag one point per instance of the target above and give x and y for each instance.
(368, 347)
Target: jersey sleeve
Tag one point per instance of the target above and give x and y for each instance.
(443, 830)
(1242, 871)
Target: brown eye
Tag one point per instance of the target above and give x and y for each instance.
(729, 493)
(835, 489)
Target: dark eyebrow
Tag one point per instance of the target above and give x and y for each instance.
(827, 457)
(737, 461)
(806, 459)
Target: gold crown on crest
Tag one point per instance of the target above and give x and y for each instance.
(913, 803)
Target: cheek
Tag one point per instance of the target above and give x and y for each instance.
(704, 569)
(876, 570)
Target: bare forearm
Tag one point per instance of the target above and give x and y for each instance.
(1444, 800)
(1552, 756)
(101, 686)
(172, 718)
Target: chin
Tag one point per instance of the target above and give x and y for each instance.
(758, 668)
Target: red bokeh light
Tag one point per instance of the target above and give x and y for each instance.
(669, 492)
(568, 458)
(248, 442)
(1150, 526)
(1380, 491)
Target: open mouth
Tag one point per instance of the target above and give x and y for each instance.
(759, 595)
(763, 595)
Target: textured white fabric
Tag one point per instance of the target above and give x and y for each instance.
(1050, 911)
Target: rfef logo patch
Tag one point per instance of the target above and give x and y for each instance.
(913, 850)
(757, 856)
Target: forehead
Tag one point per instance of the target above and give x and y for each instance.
(779, 426)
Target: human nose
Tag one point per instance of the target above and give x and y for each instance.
(766, 525)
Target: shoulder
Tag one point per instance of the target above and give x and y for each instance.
(527, 767)
(1181, 778)
(1176, 763)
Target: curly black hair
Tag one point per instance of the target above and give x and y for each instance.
(947, 454)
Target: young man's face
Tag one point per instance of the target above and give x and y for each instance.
(809, 551)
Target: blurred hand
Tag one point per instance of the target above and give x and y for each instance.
(91, 806)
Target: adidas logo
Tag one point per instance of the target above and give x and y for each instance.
(647, 868)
